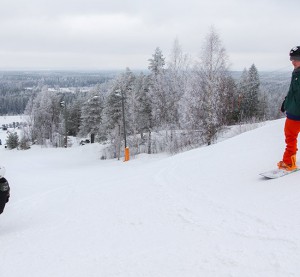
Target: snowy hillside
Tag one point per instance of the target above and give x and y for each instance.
(205, 212)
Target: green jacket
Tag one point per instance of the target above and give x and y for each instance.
(292, 101)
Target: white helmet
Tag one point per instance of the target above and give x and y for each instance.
(2, 171)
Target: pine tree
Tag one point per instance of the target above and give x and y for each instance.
(249, 90)
(74, 117)
(229, 99)
(144, 106)
(253, 92)
(144, 111)
(119, 92)
(243, 95)
(163, 93)
(91, 116)
(12, 141)
(157, 63)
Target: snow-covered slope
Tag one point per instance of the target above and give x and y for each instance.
(205, 212)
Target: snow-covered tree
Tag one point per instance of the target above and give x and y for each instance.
(143, 110)
(91, 116)
(156, 79)
(12, 140)
(211, 71)
(120, 90)
(253, 91)
(162, 93)
(230, 101)
(177, 76)
(242, 88)
(74, 116)
(157, 63)
(249, 90)
(45, 113)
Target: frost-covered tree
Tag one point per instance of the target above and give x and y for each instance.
(253, 91)
(44, 112)
(211, 71)
(242, 88)
(74, 116)
(230, 101)
(249, 90)
(120, 90)
(160, 89)
(91, 116)
(157, 63)
(143, 109)
(178, 61)
(144, 106)
(157, 87)
(12, 140)
(177, 76)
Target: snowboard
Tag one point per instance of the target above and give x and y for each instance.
(276, 173)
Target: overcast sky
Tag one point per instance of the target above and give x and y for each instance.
(115, 34)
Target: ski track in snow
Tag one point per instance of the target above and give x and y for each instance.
(205, 212)
(229, 222)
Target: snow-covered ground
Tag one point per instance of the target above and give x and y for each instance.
(205, 212)
(12, 118)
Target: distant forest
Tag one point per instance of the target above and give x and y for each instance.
(17, 87)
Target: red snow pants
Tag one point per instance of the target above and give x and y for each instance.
(291, 131)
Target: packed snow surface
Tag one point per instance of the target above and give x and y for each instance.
(205, 212)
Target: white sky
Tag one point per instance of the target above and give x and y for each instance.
(115, 34)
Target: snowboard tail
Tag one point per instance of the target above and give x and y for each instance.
(276, 173)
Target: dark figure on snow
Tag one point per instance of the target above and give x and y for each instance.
(4, 189)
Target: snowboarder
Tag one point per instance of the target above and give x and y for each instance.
(4, 189)
(291, 107)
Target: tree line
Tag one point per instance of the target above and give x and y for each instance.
(16, 88)
(179, 104)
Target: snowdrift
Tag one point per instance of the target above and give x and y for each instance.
(205, 212)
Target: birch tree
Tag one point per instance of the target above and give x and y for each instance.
(207, 92)
(177, 75)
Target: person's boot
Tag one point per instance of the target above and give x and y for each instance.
(288, 167)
